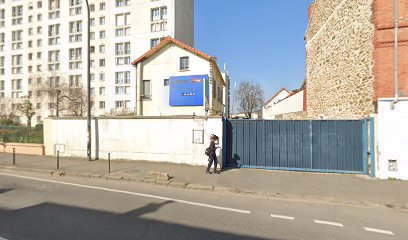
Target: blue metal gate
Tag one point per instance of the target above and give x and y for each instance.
(317, 145)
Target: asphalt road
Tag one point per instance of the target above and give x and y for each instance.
(35, 206)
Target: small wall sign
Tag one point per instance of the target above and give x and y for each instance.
(198, 136)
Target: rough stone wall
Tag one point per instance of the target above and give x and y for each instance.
(339, 60)
(292, 116)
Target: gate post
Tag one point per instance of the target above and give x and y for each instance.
(364, 147)
(372, 146)
(224, 143)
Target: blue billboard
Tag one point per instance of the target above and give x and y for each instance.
(187, 90)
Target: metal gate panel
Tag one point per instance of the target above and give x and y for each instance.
(318, 145)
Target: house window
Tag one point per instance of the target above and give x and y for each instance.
(184, 63)
(146, 90)
(102, 104)
(166, 82)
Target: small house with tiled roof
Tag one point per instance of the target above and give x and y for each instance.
(174, 79)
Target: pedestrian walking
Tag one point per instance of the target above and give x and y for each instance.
(212, 155)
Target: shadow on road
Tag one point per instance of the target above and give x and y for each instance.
(53, 221)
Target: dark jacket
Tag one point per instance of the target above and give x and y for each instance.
(212, 148)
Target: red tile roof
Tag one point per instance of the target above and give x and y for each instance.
(166, 41)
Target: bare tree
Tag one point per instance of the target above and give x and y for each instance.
(67, 96)
(27, 110)
(251, 97)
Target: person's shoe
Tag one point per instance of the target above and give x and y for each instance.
(208, 172)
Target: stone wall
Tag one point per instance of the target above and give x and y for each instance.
(292, 116)
(339, 60)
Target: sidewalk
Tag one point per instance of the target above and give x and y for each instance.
(329, 188)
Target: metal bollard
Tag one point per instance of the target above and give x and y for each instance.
(14, 156)
(109, 162)
(57, 159)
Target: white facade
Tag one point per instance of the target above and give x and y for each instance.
(164, 64)
(39, 39)
(145, 139)
(392, 139)
(290, 104)
(268, 110)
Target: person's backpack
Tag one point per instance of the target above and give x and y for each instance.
(208, 151)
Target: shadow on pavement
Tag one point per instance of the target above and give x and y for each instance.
(53, 221)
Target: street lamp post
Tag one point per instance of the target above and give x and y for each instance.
(89, 81)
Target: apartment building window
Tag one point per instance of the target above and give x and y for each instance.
(53, 9)
(2, 65)
(39, 68)
(122, 78)
(102, 35)
(101, 91)
(93, 91)
(184, 63)
(92, 77)
(75, 58)
(101, 104)
(16, 63)
(122, 51)
(54, 34)
(75, 7)
(30, 56)
(39, 30)
(2, 39)
(92, 36)
(92, 7)
(102, 76)
(17, 39)
(92, 21)
(30, 18)
(122, 3)
(2, 85)
(154, 42)
(39, 43)
(30, 31)
(159, 19)
(102, 49)
(16, 88)
(39, 4)
(30, 43)
(122, 24)
(75, 31)
(119, 104)
(54, 81)
(39, 17)
(53, 60)
(39, 55)
(102, 6)
(17, 15)
(146, 89)
(30, 6)
(102, 21)
(30, 69)
(74, 80)
(102, 62)
(2, 17)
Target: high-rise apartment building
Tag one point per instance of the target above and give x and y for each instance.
(47, 41)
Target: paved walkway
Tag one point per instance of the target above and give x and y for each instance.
(333, 188)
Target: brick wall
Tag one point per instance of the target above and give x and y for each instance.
(383, 19)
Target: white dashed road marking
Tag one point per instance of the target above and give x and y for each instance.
(328, 223)
(378, 231)
(282, 217)
(132, 193)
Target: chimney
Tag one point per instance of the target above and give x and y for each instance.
(311, 9)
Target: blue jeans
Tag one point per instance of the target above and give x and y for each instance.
(213, 158)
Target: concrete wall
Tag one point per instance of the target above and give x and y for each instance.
(150, 139)
(23, 148)
(339, 60)
(392, 138)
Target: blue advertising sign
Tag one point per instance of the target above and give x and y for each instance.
(187, 90)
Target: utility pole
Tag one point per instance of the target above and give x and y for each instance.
(89, 147)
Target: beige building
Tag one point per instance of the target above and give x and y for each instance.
(174, 79)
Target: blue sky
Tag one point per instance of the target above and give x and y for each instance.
(260, 40)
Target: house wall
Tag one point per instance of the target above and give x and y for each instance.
(291, 104)
(392, 138)
(268, 111)
(339, 60)
(165, 139)
(384, 48)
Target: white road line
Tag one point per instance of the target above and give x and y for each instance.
(282, 217)
(132, 193)
(329, 223)
(378, 231)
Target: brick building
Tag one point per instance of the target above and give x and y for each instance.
(350, 56)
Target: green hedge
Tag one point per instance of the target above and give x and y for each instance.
(20, 134)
